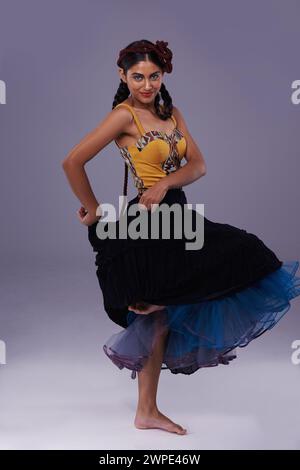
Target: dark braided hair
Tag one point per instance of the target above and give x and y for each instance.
(161, 56)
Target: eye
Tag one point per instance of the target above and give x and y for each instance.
(154, 77)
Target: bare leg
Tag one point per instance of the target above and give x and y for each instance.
(148, 415)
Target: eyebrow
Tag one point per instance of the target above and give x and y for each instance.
(137, 73)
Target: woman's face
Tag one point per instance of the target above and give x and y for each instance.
(141, 78)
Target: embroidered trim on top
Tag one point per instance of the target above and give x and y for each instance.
(138, 182)
(153, 135)
(172, 163)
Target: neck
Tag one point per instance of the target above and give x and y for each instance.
(138, 105)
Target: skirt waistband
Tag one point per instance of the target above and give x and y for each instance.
(142, 190)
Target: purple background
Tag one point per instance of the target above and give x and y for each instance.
(234, 63)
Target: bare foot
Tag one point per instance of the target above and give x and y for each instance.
(143, 308)
(157, 420)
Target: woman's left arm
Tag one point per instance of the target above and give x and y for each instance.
(195, 167)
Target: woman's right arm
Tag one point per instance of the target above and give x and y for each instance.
(107, 130)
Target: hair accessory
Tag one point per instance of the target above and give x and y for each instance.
(160, 47)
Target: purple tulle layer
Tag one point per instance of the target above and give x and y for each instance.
(206, 333)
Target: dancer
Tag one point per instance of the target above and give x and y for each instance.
(183, 308)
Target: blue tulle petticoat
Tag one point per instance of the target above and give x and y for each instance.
(206, 333)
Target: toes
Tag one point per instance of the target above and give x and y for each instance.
(181, 430)
(176, 428)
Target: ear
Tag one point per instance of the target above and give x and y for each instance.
(122, 75)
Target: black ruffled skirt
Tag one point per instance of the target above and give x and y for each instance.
(216, 298)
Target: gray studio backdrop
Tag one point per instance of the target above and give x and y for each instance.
(234, 66)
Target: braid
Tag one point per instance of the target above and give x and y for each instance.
(122, 93)
(166, 110)
(125, 184)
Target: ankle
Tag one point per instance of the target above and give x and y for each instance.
(147, 408)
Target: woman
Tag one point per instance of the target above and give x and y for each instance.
(184, 308)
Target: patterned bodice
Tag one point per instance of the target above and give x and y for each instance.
(154, 155)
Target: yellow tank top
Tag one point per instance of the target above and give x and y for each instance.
(154, 155)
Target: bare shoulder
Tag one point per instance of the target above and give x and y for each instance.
(176, 111)
(122, 115)
(193, 152)
(181, 123)
(114, 123)
(122, 111)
